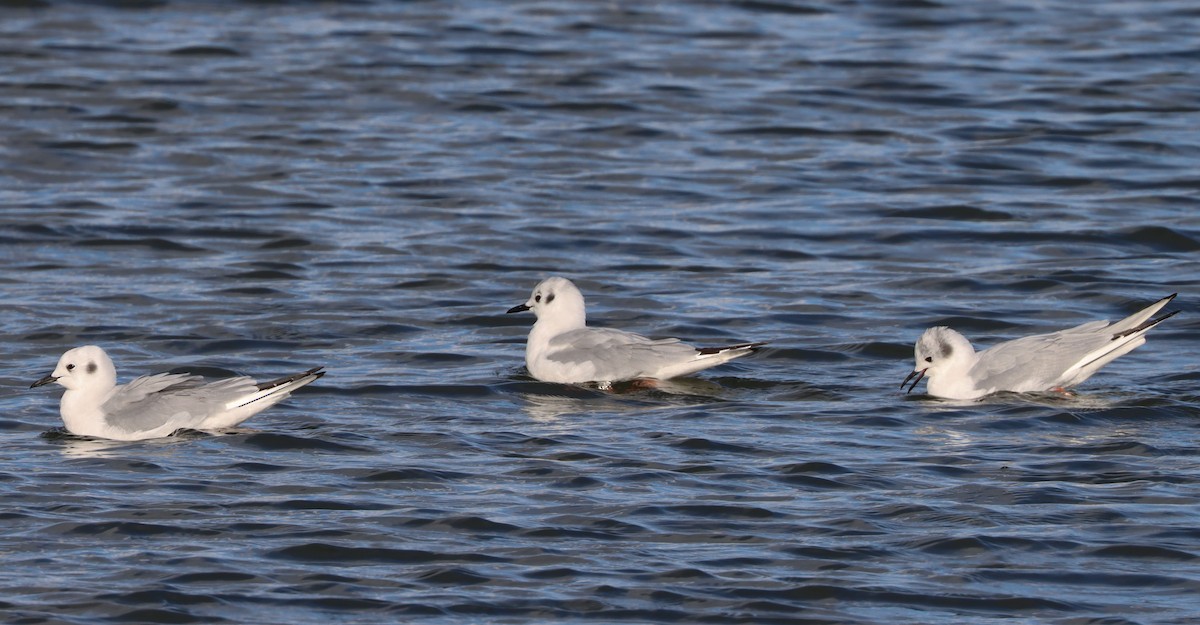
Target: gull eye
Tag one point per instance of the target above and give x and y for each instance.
(70, 367)
(537, 298)
(929, 359)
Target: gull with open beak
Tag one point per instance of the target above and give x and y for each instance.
(1044, 362)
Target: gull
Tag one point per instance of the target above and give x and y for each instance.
(156, 405)
(1044, 362)
(561, 348)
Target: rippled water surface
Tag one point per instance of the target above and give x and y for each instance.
(263, 187)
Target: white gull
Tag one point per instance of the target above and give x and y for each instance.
(156, 405)
(1044, 362)
(561, 348)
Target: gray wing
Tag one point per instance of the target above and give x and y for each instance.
(180, 400)
(1091, 326)
(1037, 362)
(616, 354)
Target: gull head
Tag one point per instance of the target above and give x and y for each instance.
(939, 350)
(83, 369)
(555, 299)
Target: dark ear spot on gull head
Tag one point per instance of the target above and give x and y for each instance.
(91, 368)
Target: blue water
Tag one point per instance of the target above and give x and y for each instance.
(260, 188)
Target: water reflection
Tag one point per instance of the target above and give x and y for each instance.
(551, 401)
(705, 183)
(73, 446)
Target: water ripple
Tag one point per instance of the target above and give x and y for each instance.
(369, 186)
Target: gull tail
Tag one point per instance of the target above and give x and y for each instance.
(1128, 334)
(276, 391)
(709, 357)
(1137, 321)
(1141, 329)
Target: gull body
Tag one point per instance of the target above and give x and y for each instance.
(1043, 362)
(156, 405)
(561, 348)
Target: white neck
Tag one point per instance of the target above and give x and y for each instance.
(548, 327)
(952, 382)
(81, 412)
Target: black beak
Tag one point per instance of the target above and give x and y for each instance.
(919, 373)
(517, 308)
(44, 381)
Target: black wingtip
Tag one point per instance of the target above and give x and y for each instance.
(716, 350)
(315, 372)
(1147, 325)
